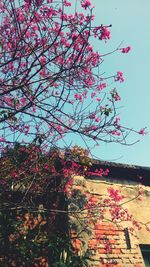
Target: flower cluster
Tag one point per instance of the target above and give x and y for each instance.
(119, 77)
(85, 4)
(115, 194)
(126, 49)
(102, 32)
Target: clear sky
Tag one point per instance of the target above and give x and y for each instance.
(130, 21)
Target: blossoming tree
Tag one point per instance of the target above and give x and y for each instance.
(51, 82)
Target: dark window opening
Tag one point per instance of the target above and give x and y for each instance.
(145, 249)
(127, 238)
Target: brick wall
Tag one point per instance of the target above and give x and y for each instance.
(109, 247)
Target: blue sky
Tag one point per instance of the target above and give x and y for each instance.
(131, 24)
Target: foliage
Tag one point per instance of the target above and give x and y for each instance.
(25, 241)
(30, 168)
(33, 229)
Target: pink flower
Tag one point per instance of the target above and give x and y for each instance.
(21, 18)
(86, 4)
(142, 131)
(23, 101)
(106, 172)
(28, 1)
(101, 86)
(117, 120)
(115, 194)
(2, 139)
(126, 49)
(33, 109)
(26, 129)
(78, 97)
(67, 3)
(92, 116)
(105, 33)
(119, 77)
(46, 166)
(93, 94)
(108, 247)
(8, 100)
(114, 132)
(74, 36)
(42, 60)
(117, 97)
(97, 119)
(102, 32)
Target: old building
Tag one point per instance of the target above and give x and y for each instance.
(101, 219)
(116, 244)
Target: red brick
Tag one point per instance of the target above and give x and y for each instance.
(112, 241)
(106, 232)
(102, 251)
(116, 251)
(92, 243)
(110, 265)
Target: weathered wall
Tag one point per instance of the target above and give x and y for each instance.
(118, 252)
(139, 208)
